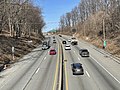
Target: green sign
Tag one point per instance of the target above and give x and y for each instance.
(105, 44)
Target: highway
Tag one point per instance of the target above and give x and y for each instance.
(96, 76)
(40, 71)
(36, 71)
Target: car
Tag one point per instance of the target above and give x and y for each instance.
(64, 42)
(73, 38)
(67, 47)
(69, 40)
(54, 41)
(84, 52)
(52, 52)
(44, 47)
(60, 35)
(77, 69)
(53, 37)
(74, 41)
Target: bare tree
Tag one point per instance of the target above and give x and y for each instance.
(20, 16)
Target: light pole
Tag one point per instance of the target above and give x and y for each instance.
(104, 32)
(84, 34)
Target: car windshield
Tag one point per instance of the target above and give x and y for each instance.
(73, 38)
(77, 65)
(85, 50)
(52, 50)
(44, 43)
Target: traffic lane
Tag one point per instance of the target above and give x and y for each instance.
(24, 71)
(101, 77)
(43, 70)
(78, 82)
(44, 76)
(105, 60)
(110, 67)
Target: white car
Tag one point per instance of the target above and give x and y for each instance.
(67, 47)
(69, 40)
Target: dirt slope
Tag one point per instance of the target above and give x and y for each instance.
(22, 46)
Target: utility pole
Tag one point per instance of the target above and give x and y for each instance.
(9, 16)
(104, 29)
(84, 34)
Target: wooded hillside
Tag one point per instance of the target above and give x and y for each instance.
(20, 18)
(21, 25)
(99, 20)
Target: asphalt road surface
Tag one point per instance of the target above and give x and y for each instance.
(36, 71)
(97, 75)
(40, 71)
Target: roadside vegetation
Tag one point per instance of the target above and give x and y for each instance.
(21, 25)
(95, 21)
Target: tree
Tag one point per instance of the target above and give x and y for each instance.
(20, 16)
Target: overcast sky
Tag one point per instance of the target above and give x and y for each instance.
(53, 9)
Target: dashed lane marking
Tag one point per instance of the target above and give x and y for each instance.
(44, 58)
(78, 58)
(88, 74)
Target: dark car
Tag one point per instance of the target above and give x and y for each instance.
(84, 52)
(60, 35)
(73, 38)
(54, 41)
(53, 37)
(52, 52)
(64, 42)
(77, 69)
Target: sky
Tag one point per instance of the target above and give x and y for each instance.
(53, 10)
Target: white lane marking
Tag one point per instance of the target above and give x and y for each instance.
(37, 70)
(106, 70)
(44, 58)
(74, 51)
(88, 74)
(78, 58)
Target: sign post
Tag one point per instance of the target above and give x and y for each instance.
(13, 51)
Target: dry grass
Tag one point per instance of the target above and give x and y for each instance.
(112, 45)
(22, 47)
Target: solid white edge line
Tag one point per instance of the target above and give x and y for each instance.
(88, 74)
(37, 70)
(106, 70)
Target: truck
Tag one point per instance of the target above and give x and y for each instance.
(74, 41)
(46, 45)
